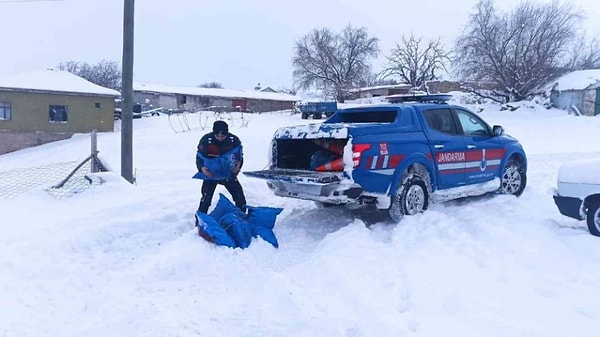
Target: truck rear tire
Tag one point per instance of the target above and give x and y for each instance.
(593, 218)
(411, 198)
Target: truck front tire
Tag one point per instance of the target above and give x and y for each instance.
(514, 179)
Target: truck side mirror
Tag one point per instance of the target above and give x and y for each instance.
(498, 130)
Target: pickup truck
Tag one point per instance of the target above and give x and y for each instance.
(400, 157)
(138, 112)
(317, 109)
(578, 192)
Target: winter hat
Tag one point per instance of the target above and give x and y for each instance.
(220, 126)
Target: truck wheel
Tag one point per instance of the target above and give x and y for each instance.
(513, 178)
(410, 198)
(593, 218)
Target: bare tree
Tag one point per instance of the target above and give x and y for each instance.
(376, 80)
(585, 54)
(211, 85)
(104, 73)
(289, 91)
(70, 66)
(334, 63)
(519, 51)
(416, 62)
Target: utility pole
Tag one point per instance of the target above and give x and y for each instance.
(127, 93)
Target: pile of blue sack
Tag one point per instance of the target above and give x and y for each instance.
(228, 226)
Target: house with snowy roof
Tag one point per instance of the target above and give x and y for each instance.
(578, 90)
(48, 105)
(195, 98)
(55, 101)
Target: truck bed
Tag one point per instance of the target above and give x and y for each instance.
(307, 154)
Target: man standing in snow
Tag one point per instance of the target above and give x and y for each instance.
(217, 150)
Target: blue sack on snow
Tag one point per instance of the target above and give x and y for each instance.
(238, 228)
(224, 206)
(263, 216)
(262, 221)
(212, 231)
(266, 234)
(228, 225)
(220, 166)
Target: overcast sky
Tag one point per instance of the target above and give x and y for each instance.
(235, 42)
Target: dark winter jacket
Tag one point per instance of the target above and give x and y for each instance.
(209, 147)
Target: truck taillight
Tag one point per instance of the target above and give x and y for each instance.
(272, 155)
(357, 150)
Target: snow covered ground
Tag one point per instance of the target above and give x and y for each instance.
(125, 260)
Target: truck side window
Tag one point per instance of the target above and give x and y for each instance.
(471, 124)
(441, 120)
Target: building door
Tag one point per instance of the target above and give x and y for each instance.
(241, 103)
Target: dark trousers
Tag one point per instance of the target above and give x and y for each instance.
(234, 188)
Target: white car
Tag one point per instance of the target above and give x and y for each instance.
(578, 192)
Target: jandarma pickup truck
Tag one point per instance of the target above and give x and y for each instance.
(399, 156)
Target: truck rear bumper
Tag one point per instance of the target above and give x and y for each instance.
(569, 206)
(327, 187)
(333, 193)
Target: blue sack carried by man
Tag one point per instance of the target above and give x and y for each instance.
(221, 167)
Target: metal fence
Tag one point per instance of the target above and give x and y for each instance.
(185, 121)
(58, 179)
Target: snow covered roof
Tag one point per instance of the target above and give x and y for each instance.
(215, 92)
(576, 80)
(51, 80)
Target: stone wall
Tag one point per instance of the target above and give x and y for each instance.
(440, 86)
(17, 140)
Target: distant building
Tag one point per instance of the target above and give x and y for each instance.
(47, 105)
(380, 91)
(579, 89)
(442, 87)
(194, 98)
(268, 89)
(445, 86)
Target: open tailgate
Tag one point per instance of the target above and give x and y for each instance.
(296, 176)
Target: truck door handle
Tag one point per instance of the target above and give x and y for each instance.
(438, 146)
(471, 146)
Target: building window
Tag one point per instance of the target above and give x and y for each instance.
(97, 105)
(5, 110)
(57, 114)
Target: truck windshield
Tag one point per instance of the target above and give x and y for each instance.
(374, 116)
